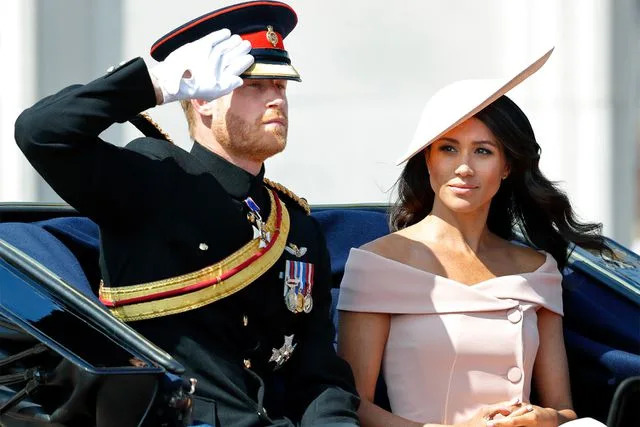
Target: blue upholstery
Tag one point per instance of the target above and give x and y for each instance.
(602, 336)
(349, 228)
(36, 240)
(601, 327)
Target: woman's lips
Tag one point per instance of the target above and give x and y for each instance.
(462, 190)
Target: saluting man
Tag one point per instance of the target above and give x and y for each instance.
(222, 268)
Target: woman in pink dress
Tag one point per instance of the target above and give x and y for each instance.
(456, 317)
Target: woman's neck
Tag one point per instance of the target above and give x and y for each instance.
(457, 230)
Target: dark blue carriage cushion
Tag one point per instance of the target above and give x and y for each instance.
(36, 240)
(349, 228)
(602, 335)
(82, 237)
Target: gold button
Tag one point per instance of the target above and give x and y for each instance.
(245, 320)
(247, 363)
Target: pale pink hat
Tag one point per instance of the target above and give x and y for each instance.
(458, 101)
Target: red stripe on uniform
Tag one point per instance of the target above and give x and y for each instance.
(206, 283)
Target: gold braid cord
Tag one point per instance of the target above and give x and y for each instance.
(284, 190)
(157, 126)
(209, 284)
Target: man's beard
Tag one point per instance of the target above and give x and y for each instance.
(253, 141)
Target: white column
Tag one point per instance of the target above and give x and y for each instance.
(17, 74)
(570, 101)
(625, 137)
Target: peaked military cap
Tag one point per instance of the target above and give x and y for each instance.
(263, 23)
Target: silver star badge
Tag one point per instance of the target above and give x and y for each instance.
(282, 354)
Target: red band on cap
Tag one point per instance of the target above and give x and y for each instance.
(262, 40)
(217, 13)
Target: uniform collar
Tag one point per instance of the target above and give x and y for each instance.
(236, 181)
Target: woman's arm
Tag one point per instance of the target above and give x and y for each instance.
(550, 378)
(551, 369)
(361, 341)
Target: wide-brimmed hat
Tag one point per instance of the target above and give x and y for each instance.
(264, 23)
(458, 101)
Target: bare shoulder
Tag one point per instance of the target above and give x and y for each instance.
(527, 259)
(404, 247)
(385, 245)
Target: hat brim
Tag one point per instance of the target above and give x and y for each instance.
(459, 101)
(263, 70)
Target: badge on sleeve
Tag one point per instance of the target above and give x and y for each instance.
(298, 284)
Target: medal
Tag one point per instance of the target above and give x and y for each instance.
(291, 301)
(298, 282)
(308, 304)
(259, 229)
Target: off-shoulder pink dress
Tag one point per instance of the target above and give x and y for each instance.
(452, 348)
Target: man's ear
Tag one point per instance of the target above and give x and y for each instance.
(202, 106)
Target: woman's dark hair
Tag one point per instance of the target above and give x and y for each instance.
(526, 199)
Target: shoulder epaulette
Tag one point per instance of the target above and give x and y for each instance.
(290, 194)
(149, 127)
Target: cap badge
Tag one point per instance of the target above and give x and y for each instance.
(272, 37)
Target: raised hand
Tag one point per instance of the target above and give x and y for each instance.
(207, 68)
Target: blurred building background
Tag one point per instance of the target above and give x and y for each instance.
(368, 66)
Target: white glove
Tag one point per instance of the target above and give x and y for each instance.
(207, 68)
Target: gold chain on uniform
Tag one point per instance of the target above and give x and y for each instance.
(157, 126)
(284, 190)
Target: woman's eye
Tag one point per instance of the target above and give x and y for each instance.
(447, 148)
(485, 151)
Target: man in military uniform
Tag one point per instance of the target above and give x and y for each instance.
(209, 260)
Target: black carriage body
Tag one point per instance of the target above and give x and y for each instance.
(67, 361)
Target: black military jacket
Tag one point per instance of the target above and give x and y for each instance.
(164, 212)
